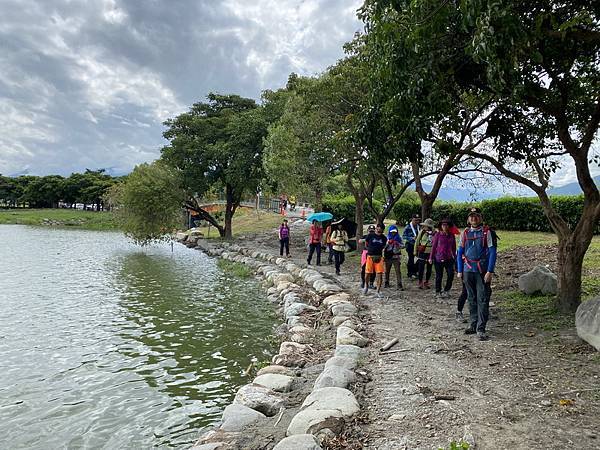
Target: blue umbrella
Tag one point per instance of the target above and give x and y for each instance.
(320, 217)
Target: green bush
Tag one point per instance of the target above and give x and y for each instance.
(346, 207)
(506, 213)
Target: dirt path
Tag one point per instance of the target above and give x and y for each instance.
(523, 389)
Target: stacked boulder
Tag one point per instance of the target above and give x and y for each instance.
(324, 412)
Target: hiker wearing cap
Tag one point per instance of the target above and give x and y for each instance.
(411, 231)
(284, 238)
(423, 244)
(339, 239)
(443, 257)
(375, 245)
(476, 264)
(363, 261)
(391, 256)
(314, 242)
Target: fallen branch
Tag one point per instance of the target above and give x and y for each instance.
(389, 345)
(395, 351)
(280, 416)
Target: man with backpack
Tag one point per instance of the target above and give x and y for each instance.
(409, 236)
(375, 245)
(476, 264)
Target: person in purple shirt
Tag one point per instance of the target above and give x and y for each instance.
(443, 257)
(284, 238)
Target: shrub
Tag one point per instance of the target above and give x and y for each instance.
(346, 207)
(506, 213)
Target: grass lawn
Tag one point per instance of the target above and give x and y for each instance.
(247, 221)
(539, 310)
(90, 220)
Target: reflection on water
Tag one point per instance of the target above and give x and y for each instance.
(103, 345)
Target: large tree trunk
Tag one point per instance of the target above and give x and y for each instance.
(426, 205)
(230, 207)
(318, 199)
(571, 251)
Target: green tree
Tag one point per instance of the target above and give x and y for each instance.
(298, 155)
(148, 203)
(43, 192)
(536, 63)
(218, 144)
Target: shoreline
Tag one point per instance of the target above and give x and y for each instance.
(302, 400)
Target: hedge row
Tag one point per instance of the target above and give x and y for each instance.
(346, 207)
(507, 213)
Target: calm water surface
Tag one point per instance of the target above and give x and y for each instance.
(106, 345)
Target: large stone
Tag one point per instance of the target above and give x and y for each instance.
(338, 320)
(347, 336)
(274, 369)
(344, 309)
(349, 351)
(335, 376)
(332, 398)
(260, 399)
(275, 381)
(237, 416)
(341, 361)
(210, 446)
(540, 279)
(181, 236)
(587, 321)
(311, 421)
(295, 309)
(298, 442)
(291, 354)
(300, 329)
(350, 323)
(336, 299)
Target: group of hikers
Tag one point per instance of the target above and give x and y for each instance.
(427, 245)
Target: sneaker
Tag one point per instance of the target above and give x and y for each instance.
(470, 331)
(379, 295)
(371, 286)
(445, 294)
(400, 287)
(362, 284)
(482, 336)
(366, 290)
(426, 285)
(438, 295)
(337, 272)
(421, 285)
(387, 284)
(459, 317)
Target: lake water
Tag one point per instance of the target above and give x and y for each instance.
(106, 345)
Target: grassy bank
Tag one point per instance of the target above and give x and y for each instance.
(246, 221)
(73, 218)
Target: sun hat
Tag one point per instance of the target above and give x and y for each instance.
(416, 216)
(371, 228)
(428, 223)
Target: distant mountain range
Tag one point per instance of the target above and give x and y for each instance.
(571, 188)
(465, 195)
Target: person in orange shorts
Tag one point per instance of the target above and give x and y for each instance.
(375, 244)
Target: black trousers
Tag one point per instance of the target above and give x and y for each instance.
(312, 248)
(411, 267)
(479, 302)
(440, 267)
(424, 267)
(464, 295)
(330, 255)
(339, 258)
(284, 243)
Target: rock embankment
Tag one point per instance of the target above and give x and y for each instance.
(302, 399)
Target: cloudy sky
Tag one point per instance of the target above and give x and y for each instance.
(88, 83)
